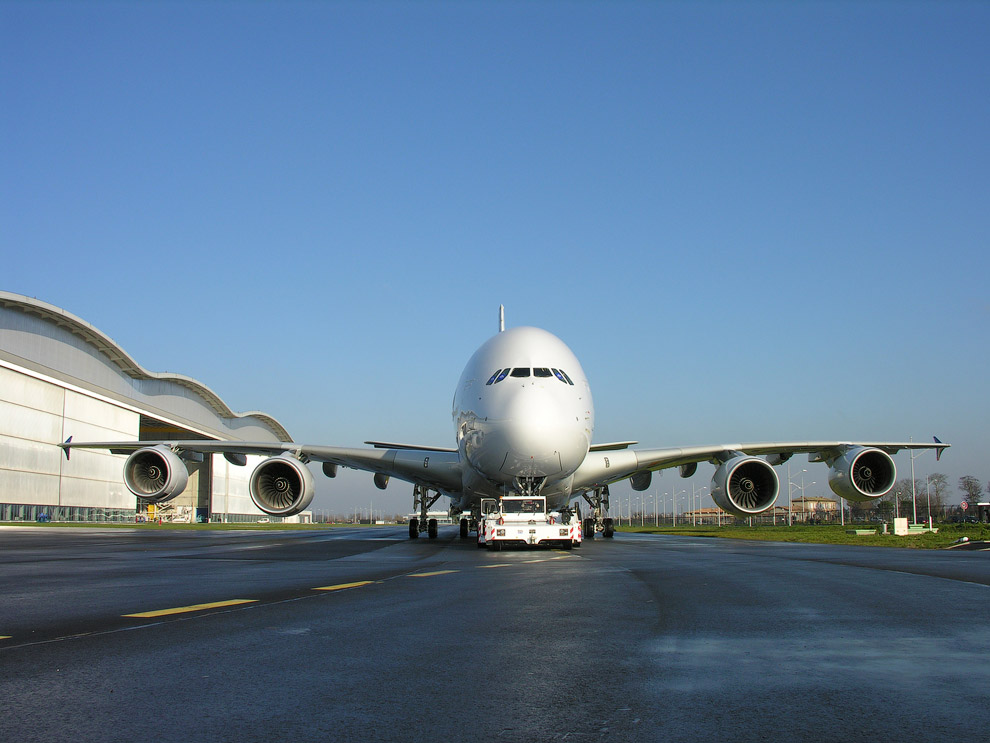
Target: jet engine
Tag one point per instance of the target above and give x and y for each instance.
(282, 486)
(862, 474)
(155, 473)
(745, 486)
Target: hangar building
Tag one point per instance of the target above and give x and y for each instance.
(61, 377)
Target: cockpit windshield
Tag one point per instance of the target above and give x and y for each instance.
(522, 372)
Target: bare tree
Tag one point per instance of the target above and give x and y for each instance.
(937, 487)
(971, 488)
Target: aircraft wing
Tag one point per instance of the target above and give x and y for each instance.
(607, 467)
(438, 469)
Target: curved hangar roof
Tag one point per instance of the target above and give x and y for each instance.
(49, 340)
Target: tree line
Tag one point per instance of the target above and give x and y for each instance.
(930, 496)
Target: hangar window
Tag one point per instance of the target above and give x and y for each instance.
(520, 372)
(542, 372)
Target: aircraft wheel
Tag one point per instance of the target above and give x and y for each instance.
(609, 529)
(413, 528)
(464, 528)
(431, 528)
(589, 528)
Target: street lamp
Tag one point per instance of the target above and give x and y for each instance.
(673, 503)
(914, 500)
(789, 491)
(696, 508)
(804, 500)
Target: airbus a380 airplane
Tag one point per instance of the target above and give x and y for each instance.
(524, 422)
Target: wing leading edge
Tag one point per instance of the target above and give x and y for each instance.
(437, 469)
(608, 467)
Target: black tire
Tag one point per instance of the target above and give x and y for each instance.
(464, 529)
(431, 528)
(413, 528)
(589, 528)
(609, 529)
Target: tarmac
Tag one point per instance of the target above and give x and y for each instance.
(362, 634)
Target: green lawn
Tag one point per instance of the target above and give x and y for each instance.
(947, 534)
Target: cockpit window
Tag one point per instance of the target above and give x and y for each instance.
(562, 376)
(567, 377)
(492, 380)
(502, 375)
(520, 372)
(542, 372)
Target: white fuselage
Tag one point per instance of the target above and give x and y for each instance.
(523, 415)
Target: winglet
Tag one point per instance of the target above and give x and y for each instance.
(938, 450)
(66, 448)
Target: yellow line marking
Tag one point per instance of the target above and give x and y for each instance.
(499, 565)
(194, 607)
(437, 572)
(342, 586)
(5, 637)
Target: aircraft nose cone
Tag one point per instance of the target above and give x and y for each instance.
(537, 432)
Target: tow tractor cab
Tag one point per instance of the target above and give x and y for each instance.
(523, 520)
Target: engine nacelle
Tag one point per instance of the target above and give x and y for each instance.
(745, 486)
(282, 486)
(862, 474)
(641, 481)
(155, 473)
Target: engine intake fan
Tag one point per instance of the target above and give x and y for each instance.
(155, 473)
(862, 474)
(282, 486)
(745, 486)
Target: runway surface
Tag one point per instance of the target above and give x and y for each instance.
(364, 635)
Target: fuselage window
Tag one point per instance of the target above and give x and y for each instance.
(542, 372)
(504, 373)
(492, 380)
(520, 372)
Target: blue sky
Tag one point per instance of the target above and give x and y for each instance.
(758, 221)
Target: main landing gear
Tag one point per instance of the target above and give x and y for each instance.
(423, 499)
(598, 500)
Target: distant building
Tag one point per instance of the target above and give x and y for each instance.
(814, 508)
(61, 377)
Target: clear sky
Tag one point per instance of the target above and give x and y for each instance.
(751, 222)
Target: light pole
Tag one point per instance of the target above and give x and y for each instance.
(913, 497)
(804, 500)
(696, 507)
(790, 485)
(673, 503)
